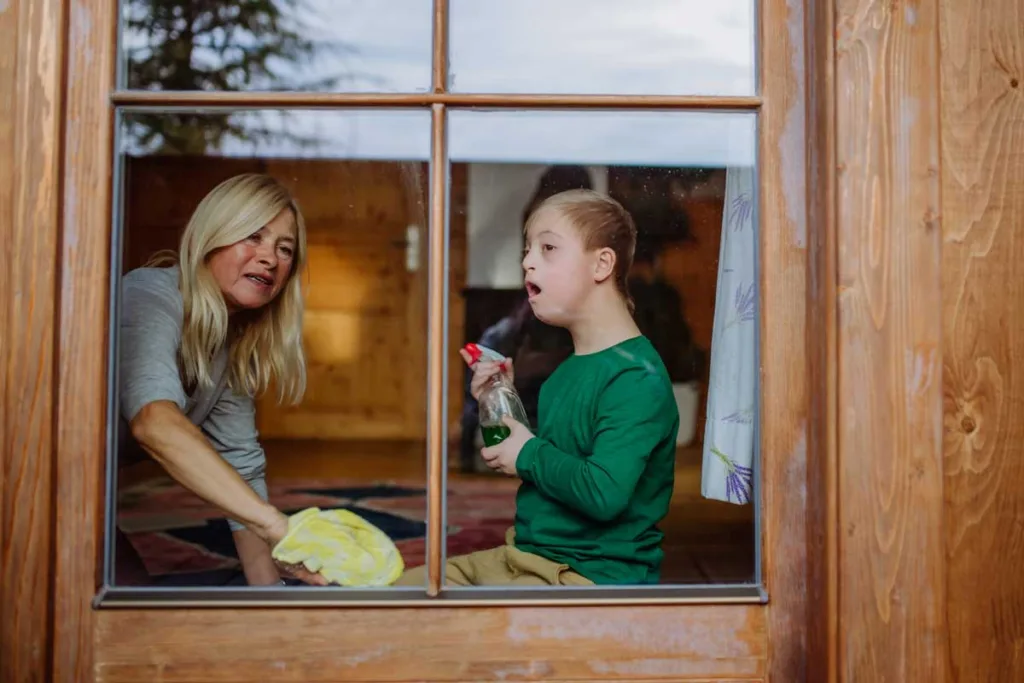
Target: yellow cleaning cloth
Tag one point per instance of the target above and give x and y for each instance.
(341, 546)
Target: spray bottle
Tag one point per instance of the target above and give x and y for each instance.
(498, 398)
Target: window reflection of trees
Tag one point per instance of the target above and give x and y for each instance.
(220, 46)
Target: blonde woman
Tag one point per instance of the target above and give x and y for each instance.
(199, 339)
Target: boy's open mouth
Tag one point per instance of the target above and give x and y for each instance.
(532, 290)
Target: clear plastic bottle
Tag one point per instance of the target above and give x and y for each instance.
(498, 399)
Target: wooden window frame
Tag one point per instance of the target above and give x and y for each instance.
(113, 596)
(450, 641)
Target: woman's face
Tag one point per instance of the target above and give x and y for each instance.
(252, 271)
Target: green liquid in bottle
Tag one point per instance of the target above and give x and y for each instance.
(495, 434)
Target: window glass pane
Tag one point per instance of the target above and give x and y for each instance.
(356, 440)
(657, 47)
(310, 45)
(605, 489)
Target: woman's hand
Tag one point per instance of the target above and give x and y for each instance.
(272, 530)
(297, 571)
(484, 370)
(182, 449)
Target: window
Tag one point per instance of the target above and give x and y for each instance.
(413, 207)
(228, 635)
(683, 176)
(476, 635)
(356, 440)
(310, 46)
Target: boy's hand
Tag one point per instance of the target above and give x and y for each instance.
(484, 370)
(503, 456)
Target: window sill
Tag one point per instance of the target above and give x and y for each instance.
(243, 596)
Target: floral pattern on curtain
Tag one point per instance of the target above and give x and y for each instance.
(727, 473)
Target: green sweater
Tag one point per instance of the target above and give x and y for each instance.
(598, 477)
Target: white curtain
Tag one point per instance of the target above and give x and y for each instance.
(727, 473)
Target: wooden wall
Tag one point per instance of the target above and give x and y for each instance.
(891, 593)
(914, 492)
(982, 319)
(927, 494)
(31, 103)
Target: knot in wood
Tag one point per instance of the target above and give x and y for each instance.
(968, 424)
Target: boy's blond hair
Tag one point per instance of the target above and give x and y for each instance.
(602, 223)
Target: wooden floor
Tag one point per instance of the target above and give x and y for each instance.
(705, 541)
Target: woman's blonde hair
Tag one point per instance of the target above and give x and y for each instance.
(264, 345)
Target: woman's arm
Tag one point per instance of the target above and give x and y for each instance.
(257, 564)
(231, 429)
(152, 401)
(182, 449)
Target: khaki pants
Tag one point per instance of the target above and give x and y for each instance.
(502, 566)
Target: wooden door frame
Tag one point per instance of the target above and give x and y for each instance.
(70, 274)
(31, 122)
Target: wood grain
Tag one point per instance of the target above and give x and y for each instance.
(982, 67)
(458, 270)
(437, 286)
(439, 58)
(8, 145)
(81, 425)
(30, 238)
(363, 329)
(822, 503)
(284, 99)
(892, 592)
(446, 644)
(784, 352)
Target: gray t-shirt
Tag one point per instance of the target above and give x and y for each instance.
(151, 319)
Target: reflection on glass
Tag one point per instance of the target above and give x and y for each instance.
(660, 47)
(687, 180)
(356, 439)
(359, 134)
(311, 45)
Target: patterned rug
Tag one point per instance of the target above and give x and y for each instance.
(183, 540)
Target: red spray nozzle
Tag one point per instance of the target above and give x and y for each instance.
(477, 353)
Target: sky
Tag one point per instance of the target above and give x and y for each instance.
(541, 46)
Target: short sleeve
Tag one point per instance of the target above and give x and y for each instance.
(149, 336)
(231, 429)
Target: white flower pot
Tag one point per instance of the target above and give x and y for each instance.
(687, 396)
